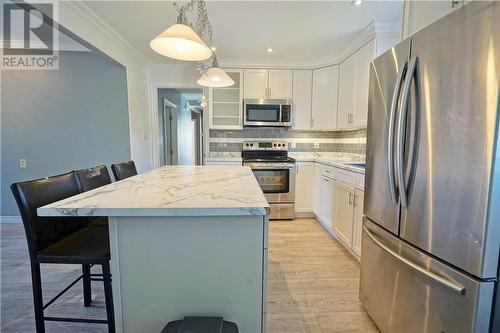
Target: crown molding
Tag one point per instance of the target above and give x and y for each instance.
(91, 18)
(369, 32)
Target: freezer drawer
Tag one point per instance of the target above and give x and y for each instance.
(404, 290)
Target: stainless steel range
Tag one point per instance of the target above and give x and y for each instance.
(275, 172)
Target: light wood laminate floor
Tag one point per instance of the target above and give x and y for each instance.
(313, 282)
(313, 285)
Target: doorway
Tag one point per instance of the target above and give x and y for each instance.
(167, 125)
(180, 127)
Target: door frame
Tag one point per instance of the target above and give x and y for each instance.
(173, 143)
(153, 118)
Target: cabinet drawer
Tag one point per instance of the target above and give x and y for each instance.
(347, 177)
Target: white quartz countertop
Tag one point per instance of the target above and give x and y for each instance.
(170, 191)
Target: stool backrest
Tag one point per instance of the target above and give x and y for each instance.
(124, 170)
(91, 178)
(41, 232)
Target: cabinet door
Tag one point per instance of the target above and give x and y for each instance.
(226, 104)
(302, 99)
(280, 84)
(325, 92)
(317, 189)
(326, 201)
(358, 221)
(344, 212)
(363, 58)
(347, 90)
(304, 187)
(255, 83)
(418, 14)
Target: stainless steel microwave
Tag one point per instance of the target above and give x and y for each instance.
(267, 113)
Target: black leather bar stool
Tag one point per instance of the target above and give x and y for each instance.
(123, 170)
(92, 178)
(61, 240)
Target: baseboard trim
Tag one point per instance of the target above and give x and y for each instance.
(304, 214)
(10, 219)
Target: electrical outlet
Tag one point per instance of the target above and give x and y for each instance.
(22, 163)
(316, 145)
(293, 144)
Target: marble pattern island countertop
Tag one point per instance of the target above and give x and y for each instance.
(170, 191)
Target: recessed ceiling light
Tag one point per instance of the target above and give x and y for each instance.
(356, 2)
(270, 50)
(213, 48)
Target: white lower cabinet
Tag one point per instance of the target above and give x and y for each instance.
(344, 212)
(304, 187)
(359, 197)
(338, 203)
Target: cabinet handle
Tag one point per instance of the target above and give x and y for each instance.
(350, 199)
(297, 169)
(355, 201)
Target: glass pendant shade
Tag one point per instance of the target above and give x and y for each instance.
(181, 42)
(215, 77)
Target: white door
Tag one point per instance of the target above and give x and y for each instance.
(304, 187)
(280, 84)
(344, 212)
(255, 83)
(347, 91)
(358, 221)
(363, 58)
(324, 104)
(302, 99)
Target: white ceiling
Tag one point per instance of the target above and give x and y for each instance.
(301, 32)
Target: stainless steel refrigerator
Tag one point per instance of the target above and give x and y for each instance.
(431, 233)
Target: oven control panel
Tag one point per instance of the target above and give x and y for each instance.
(265, 145)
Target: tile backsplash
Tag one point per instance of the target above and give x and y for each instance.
(353, 141)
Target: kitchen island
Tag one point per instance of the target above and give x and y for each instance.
(185, 241)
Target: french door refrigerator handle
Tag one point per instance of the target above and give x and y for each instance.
(402, 132)
(456, 287)
(390, 139)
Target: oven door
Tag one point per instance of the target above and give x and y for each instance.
(277, 180)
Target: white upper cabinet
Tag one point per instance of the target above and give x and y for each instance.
(264, 83)
(347, 88)
(255, 83)
(280, 84)
(363, 59)
(354, 84)
(324, 102)
(418, 14)
(302, 98)
(226, 104)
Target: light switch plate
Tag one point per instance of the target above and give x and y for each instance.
(22, 163)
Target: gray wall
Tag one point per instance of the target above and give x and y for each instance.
(60, 120)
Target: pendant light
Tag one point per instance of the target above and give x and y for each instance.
(215, 76)
(181, 41)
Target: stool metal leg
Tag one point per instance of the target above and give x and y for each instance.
(87, 287)
(36, 280)
(108, 295)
